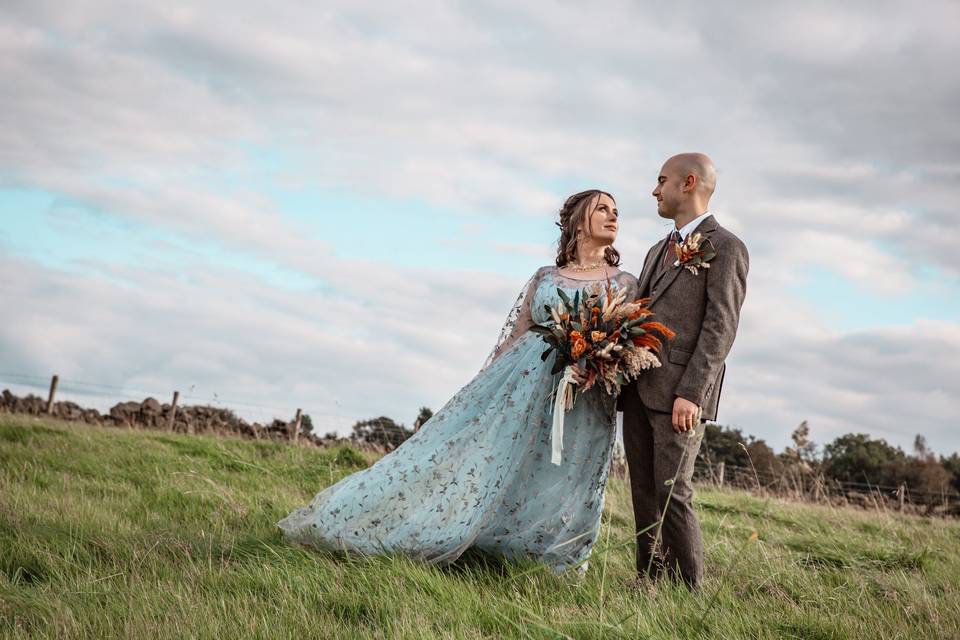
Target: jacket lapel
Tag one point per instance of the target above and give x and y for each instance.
(650, 267)
(669, 275)
(660, 270)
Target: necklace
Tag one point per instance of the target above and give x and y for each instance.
(585, 267)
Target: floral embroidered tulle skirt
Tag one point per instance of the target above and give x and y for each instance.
(478, 474)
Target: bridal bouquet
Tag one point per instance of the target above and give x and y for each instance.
(610, 339)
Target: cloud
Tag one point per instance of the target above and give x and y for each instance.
(361, 353)
(827, 124)
(789, 365)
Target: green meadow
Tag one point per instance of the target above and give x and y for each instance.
(108, 533)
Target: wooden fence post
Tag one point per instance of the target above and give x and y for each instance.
(173, 410)
(720, 468)
(296, 426)
(53, 393)
(901, 491)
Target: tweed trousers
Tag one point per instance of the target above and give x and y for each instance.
(660, 462)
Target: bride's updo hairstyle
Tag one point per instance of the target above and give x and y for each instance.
(574, 211)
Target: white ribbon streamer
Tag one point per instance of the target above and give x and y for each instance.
(562, 404)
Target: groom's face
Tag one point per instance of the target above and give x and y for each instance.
(669, 192)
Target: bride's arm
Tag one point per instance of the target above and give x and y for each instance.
(631, 283)
(519, 320)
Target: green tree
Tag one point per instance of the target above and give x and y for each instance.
(382, 431)
(952, 464)
(306, 425)
(723, 444)
(730, 446)
(858, 458)
(425, 414)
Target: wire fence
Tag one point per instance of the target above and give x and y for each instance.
(805, 484)
(817, 487)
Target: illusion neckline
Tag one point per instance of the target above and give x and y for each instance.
(556, 271)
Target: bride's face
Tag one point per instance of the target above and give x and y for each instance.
(601, 225)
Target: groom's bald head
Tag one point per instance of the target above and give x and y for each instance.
(698, 165)
(684, 186)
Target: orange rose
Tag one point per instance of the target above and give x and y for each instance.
(579, 346)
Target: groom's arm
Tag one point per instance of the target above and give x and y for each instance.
(726, 288)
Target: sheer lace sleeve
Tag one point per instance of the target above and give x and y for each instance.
(628, 281)
(519, 320)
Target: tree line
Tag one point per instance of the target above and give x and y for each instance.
(850, 458)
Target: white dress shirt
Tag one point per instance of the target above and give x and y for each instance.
(690, 226)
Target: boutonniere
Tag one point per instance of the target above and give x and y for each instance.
(694, 253)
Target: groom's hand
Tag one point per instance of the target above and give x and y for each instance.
(686, 414)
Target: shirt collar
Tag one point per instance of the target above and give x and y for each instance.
(690, 226)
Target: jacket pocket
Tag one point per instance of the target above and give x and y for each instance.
(679, 356)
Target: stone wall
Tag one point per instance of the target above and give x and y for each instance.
(151, 414)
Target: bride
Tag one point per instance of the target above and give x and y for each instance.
(479, 474)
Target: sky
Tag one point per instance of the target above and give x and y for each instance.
(332, 206)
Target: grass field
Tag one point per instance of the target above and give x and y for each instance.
(110, 533)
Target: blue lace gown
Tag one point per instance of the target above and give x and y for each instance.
(478, 473)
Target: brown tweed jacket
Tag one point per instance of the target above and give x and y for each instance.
(704, 311)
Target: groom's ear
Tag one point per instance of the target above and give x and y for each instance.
(689, 183)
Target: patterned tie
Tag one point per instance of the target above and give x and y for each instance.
(669, 256)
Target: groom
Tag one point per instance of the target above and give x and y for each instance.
(663, 413)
